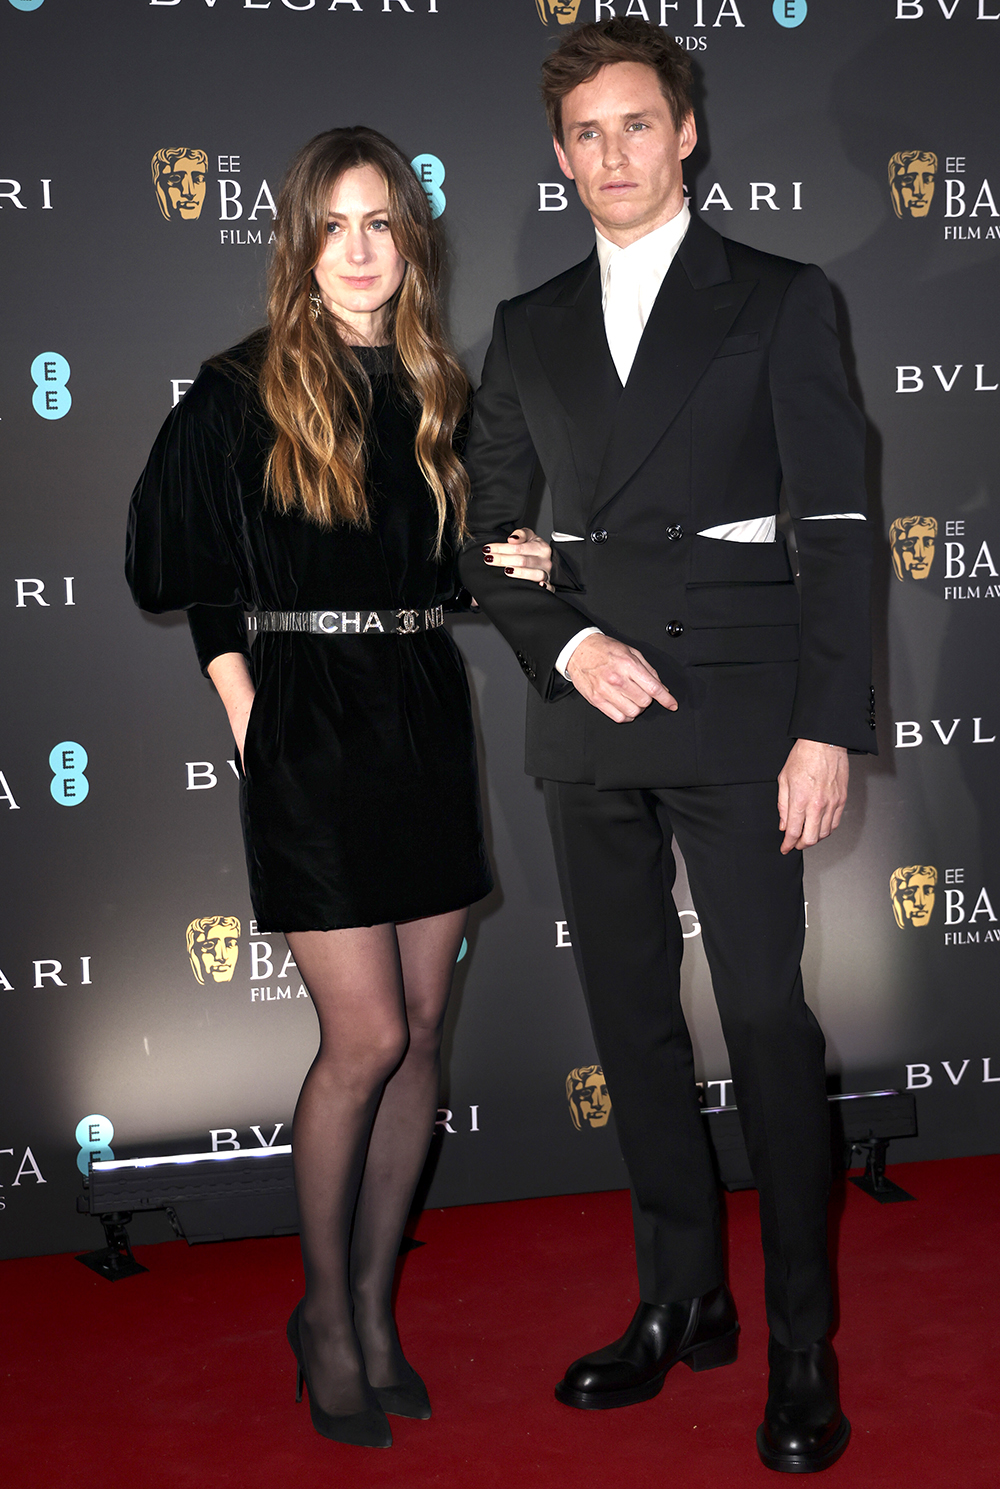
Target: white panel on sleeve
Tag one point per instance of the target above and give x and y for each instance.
(753, 530)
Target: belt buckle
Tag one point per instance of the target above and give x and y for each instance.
(407, 622)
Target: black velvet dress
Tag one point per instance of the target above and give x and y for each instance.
(360, 799)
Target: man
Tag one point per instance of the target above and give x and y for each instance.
(668, 386)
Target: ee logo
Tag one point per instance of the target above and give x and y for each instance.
(430, 174)
(790, 12)
(69, 785)
(50, 374)
(93, 1134)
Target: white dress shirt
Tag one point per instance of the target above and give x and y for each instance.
(630, 282)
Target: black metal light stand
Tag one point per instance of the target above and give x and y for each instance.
(873, 1181)
(115, 1260)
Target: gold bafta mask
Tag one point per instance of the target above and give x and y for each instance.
(563, 11)
(912, 174)
(213, 945)
(912, 540)
(180, 180)
(587, 1094)
(912, 889)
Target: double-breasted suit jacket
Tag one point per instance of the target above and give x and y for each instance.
(737, 391)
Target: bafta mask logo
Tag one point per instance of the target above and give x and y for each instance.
(912, 889)
(587, 1094)
(563, 11)
(213, 945)
(179, 180)
(912, 540)
(912, 174)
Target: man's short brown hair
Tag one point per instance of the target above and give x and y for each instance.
(625, 39)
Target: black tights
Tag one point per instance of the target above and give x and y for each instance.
(362, 1126)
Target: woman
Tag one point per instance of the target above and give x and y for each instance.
(310, 477)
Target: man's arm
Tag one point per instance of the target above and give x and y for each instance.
(821, 436)
(501, 460)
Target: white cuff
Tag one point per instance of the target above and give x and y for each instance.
(562, 660)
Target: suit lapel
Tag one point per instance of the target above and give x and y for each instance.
(572, 347)
(697, 304)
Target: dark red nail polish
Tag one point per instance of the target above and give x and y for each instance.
(487, 558)
(486, 547)
(508, 571)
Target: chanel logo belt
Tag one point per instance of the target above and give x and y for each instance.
(405, 622)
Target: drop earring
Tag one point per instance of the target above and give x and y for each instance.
(315, 303)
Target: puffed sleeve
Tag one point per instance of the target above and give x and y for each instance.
(182, 543)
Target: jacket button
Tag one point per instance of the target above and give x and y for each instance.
(675, 532)
(600, 536)
(675, 628)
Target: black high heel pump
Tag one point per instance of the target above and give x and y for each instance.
(364, 1429)
(407, 1399)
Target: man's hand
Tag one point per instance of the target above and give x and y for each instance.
(616, 678)
(812, 793)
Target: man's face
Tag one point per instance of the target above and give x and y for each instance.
(915, 899)
(915, 552)
(218, 948)
(183, 187)
(594, 1101)
(914, 188)
(622, 150)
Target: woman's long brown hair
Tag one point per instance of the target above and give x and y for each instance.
(313, 386)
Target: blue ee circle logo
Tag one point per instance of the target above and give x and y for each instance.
(26, 4)
(430, 174)
(67, 762)
(790, 12)
(94, 1134)
(50, 374)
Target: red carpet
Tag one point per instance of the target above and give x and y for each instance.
(182, 1379)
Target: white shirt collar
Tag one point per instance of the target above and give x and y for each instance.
(649, 256)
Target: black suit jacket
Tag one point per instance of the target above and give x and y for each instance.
(737, 389)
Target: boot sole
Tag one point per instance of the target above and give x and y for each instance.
(804, 1462)
(708, 1356)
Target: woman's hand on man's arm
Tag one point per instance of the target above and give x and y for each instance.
(524, 556)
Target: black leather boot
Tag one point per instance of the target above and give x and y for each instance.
(700, 1331)
(804, 1429)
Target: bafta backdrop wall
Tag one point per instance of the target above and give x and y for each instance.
(143, 1010)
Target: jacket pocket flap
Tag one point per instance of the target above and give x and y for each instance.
(734, 344)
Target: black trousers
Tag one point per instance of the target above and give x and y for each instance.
(616, 868)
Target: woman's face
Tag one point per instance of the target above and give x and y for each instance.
(360, 268)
